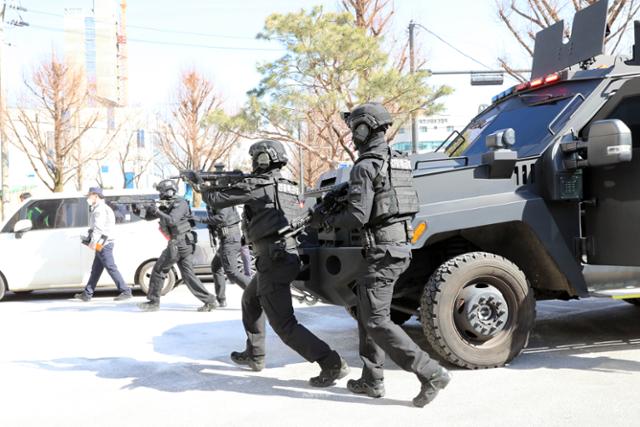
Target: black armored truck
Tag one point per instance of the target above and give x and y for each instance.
(538, 197)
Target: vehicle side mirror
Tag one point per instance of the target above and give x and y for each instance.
(22, 227)
(500, 158)
(609, 143)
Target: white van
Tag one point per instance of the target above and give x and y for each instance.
(40, 244)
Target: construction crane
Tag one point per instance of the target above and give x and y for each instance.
(123, 66)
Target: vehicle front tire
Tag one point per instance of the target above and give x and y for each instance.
(477, 310)
(143, 277)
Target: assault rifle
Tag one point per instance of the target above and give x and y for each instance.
(211, 180)
(332, 202)
(139, 205)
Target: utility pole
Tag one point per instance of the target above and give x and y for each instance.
(4, 145)
(301, 159)
(412, 69)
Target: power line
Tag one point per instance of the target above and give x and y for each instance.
(167, 43)
(159, 30)
(453, 47)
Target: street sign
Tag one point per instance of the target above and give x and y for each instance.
(487, 79)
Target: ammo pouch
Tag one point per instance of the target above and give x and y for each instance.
(280, 249)
(397, 232)
(191, 238)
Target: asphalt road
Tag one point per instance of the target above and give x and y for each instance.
(68, 363)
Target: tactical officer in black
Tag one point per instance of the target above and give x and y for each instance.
(270, 203)
(225, 231)
(176, 224)
(382, 202)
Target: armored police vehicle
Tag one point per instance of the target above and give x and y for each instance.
(537, 198)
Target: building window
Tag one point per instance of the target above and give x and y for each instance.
(111, 118)
(424, 129)
(449, 128)
(402, 131)
(140, 138)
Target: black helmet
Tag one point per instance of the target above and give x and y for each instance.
(268, 154)
(167, 189)
(365, 119)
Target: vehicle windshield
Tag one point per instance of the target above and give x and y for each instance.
(531, 115)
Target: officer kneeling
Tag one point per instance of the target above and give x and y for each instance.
(382, 202)
(270, 203)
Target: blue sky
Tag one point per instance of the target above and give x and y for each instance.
(470, 25)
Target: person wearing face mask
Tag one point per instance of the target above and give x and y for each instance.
(270, 203)
(382, 202)
(102, 223)
(176, 224)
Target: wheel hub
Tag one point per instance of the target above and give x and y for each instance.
(482, 310)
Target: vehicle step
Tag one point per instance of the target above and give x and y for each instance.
(621, 293)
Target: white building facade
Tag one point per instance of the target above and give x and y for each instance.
(432, 132)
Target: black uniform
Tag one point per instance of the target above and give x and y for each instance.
(176, 224)
(387, 253)
(270, 202)
(225, 230)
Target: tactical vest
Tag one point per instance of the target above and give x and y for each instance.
(395, 197)
(184, 225)
(272, 211)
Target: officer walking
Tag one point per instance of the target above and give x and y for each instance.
(176, 224)
(100, 239)
(382, 202)
(270, 203)
(225, 230)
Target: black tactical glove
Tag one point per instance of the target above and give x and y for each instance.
(152, 209)
(192, 177)
(317, 217)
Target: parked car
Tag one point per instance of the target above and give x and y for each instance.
(40, 244)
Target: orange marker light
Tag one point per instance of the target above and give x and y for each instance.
(552, 78)
(537, 82)
(418, 232)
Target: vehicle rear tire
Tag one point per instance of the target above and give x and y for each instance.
(252, 268)
(3, 287)
(478, 310)
(143, 277)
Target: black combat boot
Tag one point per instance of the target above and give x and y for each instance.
(243, 358)
(149, 306)
(370, 388)
(431, 387)
(209, 306)
(222, 303)
(333, 367)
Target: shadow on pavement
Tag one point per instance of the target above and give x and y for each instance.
(571, 341)
(181, 377)
(216, 340)
(55, 295)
